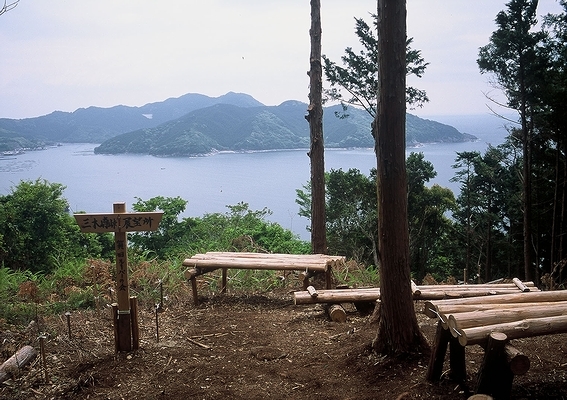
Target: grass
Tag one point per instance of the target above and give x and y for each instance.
(90, 285)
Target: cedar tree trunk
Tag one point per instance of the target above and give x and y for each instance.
(398, 331)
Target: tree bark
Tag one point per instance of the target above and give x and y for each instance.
(398, 331)
(315, 118)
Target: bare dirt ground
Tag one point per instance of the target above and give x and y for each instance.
(248, 346)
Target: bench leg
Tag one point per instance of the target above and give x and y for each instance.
(223, 282)
(194, 288)
(495, 376)
(435, 367)
(457, 360)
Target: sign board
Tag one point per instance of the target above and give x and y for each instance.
(118, 222)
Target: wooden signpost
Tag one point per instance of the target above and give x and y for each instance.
(120, 222)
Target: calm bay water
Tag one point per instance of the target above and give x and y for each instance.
(209, 184)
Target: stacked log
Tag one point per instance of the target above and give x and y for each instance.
(471, 321)
(337, 296)
(214, 260)
(422, 292)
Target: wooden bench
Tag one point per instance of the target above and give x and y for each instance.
(309, 264)
(423, 292)
(492, 322)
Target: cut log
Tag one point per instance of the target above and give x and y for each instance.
(439, 350)
(514, 330)
(463, 293)
(519, 363)
(499, 316)
(12, 365)
(432, 308)
(476, 286)
(337, 296)
(520, 285)
(337, 313)
(528, 297)
(312, 291)
(495, 377)
(414, 289)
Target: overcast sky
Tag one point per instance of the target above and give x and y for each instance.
(65, 54)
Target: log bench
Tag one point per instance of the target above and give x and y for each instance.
(492, 322)
(308, 264)
(423, 292)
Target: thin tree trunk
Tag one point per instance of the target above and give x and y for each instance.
(398, 332)
(315, 118)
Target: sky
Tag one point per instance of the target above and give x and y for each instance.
(64, 54)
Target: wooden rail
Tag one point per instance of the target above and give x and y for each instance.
(309, 264)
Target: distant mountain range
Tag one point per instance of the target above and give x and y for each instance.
(195, 124)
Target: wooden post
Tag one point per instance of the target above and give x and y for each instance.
(123, 319)
(134, 319)
(194, 289)
(435, 367)
(120, 222)
(223, 283)
(457, 360)
(495, 377)
(115, 323)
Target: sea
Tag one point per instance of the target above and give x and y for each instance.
(267, 179)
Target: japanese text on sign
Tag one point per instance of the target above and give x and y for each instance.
(124, 222)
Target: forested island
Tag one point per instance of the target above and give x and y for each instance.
(196, 124)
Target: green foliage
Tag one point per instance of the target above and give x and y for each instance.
(352, 224)
(427, 220)
(36, 231)
(169, 234)
(239, 229)
(358, 76)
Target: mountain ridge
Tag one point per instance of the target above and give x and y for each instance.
(194, 124)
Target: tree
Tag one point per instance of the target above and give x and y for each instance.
(398, 331)
(170, 231)
(356, 82)
(428, 225)
(315, 118)
(38, 234)
(514, 58)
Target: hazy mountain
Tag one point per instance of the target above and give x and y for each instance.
(197, 124)
(96, 124)
(225, 127)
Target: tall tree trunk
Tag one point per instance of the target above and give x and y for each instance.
(398, 332)
(317, 149)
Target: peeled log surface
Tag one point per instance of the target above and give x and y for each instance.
(337, 313)
(520, 285)
(503, 315)
(527, 297)
(12, 365)
(451, 294)
(313, 262)
(475, 286)
(337, 296)
(515, 330)
(373, 294)
(433, 309)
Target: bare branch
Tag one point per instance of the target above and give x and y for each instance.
(8, 7)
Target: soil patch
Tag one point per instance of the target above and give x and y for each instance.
(257, 346)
